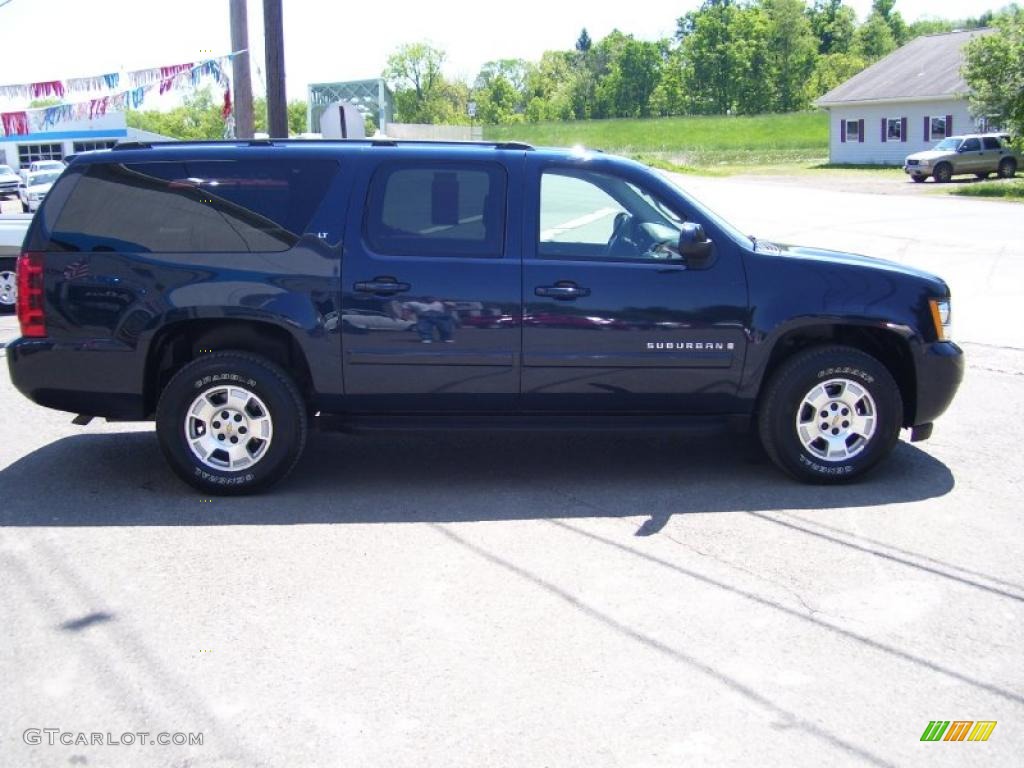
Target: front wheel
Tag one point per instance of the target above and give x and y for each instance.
(829, 414)
(231, 423)
(943, 173)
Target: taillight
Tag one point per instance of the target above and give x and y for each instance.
(31, 314)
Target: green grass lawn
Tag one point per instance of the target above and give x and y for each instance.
(717, 145)
(1010, 190)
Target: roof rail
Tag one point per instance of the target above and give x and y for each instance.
(373, 142)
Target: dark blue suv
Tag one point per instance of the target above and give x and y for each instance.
(236, 291)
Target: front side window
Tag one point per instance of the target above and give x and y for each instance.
(442, 209)
(971, 145)
(192, 207)
(587, 215)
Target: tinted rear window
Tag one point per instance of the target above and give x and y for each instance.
(449, 209)
(991, 143)
(206, 206)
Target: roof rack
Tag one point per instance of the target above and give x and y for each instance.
(373, 142)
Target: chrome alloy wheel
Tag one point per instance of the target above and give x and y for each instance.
(228, 428)
(836, 420)
(8, 288)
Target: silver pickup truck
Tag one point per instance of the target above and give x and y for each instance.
(12, 234)
(978, 153)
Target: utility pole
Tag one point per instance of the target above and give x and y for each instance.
(240, 70)
(277, 106)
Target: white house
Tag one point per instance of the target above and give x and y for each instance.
(903, 103)
(69, 137)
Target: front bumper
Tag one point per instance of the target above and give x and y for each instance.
(917, 170)
(940, 369)
(95, 378)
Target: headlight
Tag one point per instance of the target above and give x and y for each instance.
(922, 162)
(942, 316)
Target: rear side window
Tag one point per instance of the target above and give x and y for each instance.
(991, 142)
(208, 206)
(445, 209)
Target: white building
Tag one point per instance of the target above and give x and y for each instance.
(69, 137)
(903, 103)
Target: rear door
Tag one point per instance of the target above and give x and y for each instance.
(972, 157)
(431, 277)
(614, 319)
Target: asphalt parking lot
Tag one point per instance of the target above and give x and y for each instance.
(539, 599)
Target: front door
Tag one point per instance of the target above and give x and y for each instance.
(614, 319)
(431, 276)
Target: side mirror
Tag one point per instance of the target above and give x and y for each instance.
(695, 247)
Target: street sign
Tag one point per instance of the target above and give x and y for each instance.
(471, 108)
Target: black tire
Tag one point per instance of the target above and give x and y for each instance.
(1007, 168)
(943, 173)
(260, 377)
(918, 178)
(7, 294)
(783, 396)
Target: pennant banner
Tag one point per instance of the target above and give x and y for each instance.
(164, 79)
(107, 82)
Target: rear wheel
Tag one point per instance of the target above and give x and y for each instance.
(231, 423)
(1007, 168)
(943, 173)
(8, 285)
(829, 414)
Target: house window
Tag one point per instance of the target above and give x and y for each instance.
(853, 130)
(894, 129)
(89, 146)
(30, 153)
(938, 129)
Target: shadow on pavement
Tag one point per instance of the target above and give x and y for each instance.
(121, 479)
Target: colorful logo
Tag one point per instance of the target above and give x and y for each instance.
(958, 730)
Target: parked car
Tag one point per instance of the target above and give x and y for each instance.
(216, 300)
(13, 228)
(9, 180)
(979, 153)
(34, 190)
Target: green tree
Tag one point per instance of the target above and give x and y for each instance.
(710, 39)
(421, 93)
(832, 70)
(833, 23)
(874, 38)
(583, 42)
(198, 117)
(994, 69)
(632, 73)
(791, 52)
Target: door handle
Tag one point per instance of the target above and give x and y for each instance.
(563, 291)
(382, 285)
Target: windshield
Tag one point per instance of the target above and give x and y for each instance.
(948, 145)
(43, 178)
(5, 170)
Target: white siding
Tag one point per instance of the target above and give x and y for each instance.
(873, 150)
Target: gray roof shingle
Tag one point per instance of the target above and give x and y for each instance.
(926, 67)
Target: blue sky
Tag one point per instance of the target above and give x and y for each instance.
(331, 39)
